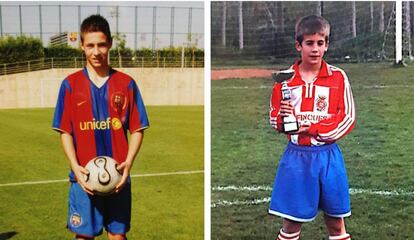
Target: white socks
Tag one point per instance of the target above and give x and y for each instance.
(345, 236)
(288, 236)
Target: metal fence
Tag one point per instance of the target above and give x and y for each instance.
(76, 62)
(152, 27)
(361, 31)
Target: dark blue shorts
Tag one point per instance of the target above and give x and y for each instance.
(89, 214)
(308, 179)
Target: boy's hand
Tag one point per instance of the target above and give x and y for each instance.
(80, 173)
(286, 108)
(125, 168)
(303, 129)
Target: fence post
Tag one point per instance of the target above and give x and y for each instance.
(76, 63)
(182, 57)
(28, 66)
(164, 62)
(52, 63)
(5, 69)
(142, 62)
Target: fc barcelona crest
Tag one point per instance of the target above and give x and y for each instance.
(118, 102)
(321, 103)
(75, 220)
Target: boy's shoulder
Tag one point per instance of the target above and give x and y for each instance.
(336, 72)
(75, 75)
(120, 75)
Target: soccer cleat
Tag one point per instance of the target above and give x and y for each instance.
(345, 236)
(288, 236)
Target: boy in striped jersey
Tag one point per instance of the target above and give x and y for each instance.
(96, 108)
(311, 174)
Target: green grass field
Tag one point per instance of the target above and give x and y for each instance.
(164, 207)
(378, 155)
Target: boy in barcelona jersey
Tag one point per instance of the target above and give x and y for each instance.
(96, 108)
(311, 175)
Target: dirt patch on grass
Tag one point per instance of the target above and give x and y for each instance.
(240, 73)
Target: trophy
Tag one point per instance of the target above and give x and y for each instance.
(290, 123)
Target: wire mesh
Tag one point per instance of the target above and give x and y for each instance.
(139, 62)
(360, 31)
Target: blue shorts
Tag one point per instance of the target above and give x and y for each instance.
(89, 214)
(308, 179)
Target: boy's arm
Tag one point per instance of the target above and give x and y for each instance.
(135, 142)
(69, 149)
(275, 118)
(343, 122)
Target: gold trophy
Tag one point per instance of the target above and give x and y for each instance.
(290, 123)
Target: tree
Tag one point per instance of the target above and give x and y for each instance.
(241, 43)
(354, 30)
(319, 8)
(371, 8)
(223, 25)
(381, 21)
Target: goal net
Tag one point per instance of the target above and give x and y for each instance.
(263, 32)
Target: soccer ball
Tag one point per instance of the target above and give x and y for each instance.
(103, 175)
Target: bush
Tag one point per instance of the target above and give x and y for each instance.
(21, 48)
(62, 52)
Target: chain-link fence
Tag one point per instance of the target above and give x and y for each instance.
(153, 27)
(265, 31)
(123, 62)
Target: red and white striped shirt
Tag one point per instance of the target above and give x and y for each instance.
(326, 103)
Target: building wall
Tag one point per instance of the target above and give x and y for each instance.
(158, 86)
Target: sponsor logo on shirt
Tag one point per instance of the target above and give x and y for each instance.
(310, 117)
(109, 123)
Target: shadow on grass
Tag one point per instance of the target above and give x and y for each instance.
(7, 235)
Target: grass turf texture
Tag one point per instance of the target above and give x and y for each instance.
(164, 207)
(378, 155)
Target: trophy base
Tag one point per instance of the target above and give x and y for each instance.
(290, 127)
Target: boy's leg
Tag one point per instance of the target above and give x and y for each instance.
(78, 237)
(112, 236)
(84, 217)
(335, 200)
(118, 213)
(290, 230)
(335, 226)
(290, 226)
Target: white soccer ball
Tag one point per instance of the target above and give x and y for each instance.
(103, 175)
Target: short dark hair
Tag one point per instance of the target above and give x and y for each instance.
(310, 25)
(96, 23)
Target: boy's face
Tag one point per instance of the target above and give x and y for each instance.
(312, 49)
(96, 48)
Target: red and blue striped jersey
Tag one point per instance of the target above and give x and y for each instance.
(99, 118)
(326, 104)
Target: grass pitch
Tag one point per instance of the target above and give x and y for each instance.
(164, 207)
(378, 155)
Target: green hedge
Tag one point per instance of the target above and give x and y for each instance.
(62, 52)
(18, 49)
(23, 48)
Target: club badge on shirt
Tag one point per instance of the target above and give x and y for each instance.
(118, 102)
(321, 103)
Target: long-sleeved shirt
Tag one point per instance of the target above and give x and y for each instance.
(326, 104)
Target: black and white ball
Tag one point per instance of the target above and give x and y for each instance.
(103, 175)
